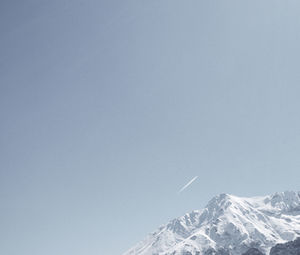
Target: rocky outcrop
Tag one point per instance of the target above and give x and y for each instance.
(289, 248)
(253, 251)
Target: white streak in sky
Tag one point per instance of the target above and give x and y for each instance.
(188, 184)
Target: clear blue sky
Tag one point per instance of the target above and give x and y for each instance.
(108, 108)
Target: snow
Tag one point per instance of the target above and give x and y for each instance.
(228, 222)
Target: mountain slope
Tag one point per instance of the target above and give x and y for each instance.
(228, 225)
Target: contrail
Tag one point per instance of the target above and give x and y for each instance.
(188, 184)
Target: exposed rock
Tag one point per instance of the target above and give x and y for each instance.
(289, 248)
(253, 251)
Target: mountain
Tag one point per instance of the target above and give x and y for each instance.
(228, 225)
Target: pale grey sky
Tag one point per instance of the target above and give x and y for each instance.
(109, 107)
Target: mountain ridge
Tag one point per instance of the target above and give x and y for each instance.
(228, 225)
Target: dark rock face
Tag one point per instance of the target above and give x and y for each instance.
(218, 252)
(210, 252)
(289, 248)
(187, 253)
(253, 251)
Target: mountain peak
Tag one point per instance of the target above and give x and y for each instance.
(285, 201)
(228, 225)
(220, 200)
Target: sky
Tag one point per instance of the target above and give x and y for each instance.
(108, 108)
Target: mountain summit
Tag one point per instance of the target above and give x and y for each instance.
(228, 225)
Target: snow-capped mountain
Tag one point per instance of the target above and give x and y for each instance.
(228, 225)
